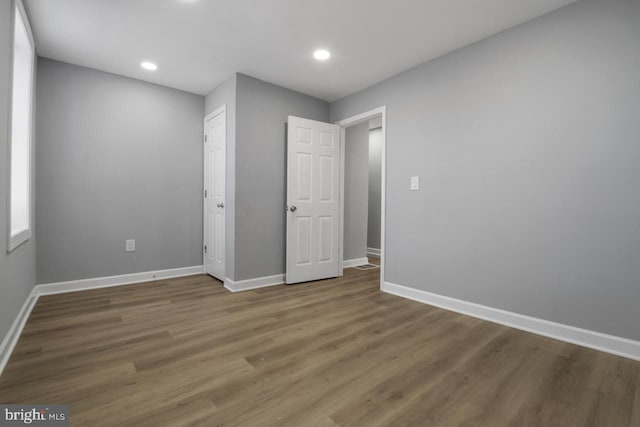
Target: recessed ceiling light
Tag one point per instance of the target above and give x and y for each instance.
(149, 66)
(321, 54)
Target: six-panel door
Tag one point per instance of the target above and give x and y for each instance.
(214, 174)
(313, 205)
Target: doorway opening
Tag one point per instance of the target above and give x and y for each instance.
(315, 206)
(362, 195)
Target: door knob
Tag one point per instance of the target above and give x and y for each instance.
(220, 205)
(293, 209)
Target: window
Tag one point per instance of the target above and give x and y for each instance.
(21, 129)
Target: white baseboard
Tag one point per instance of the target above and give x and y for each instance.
(11, 339)
(259, 282)
(354, 262)
(595, 340)
(123, 279)
(374, 252)
(278, 279)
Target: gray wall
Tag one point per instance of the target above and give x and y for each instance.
(527, 147)
(261, 113)
(225, 94)
(117, 158)
(375, 186)
(18, 268)
(356, 191)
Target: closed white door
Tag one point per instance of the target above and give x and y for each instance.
(313, 205)
(214, 192)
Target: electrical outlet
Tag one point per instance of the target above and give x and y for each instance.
(130, 245)
(415, 183)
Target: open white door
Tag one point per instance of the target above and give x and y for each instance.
(313, 203)
(215, 140)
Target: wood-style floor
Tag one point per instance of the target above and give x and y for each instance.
(331, 353)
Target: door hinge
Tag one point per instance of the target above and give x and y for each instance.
(205, 137)
(205, 249)
(205, 194)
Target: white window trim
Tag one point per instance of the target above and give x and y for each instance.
(18, 239)
(14, 241)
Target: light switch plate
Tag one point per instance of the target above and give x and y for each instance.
(130, 245)
(415, 183)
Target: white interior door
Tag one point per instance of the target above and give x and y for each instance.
(214, 192)
(313, 205)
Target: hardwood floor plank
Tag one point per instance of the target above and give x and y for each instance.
(333, 353)
(189, 412)
(155, 391)
(342, 380)
(387, 399)
(635, 413)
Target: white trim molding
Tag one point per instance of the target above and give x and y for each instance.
(17, 239)
(352, 121)
(374, 252)
(583, 337)
(355, 262)
(13, 334)
(258, 282)
(124, 279)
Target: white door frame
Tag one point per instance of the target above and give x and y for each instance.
(345, 123)
(217, 111)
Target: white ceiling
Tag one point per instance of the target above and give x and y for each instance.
(199, 43)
